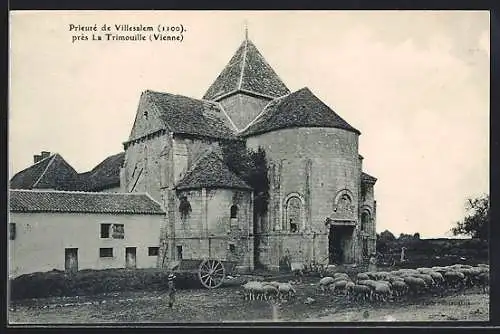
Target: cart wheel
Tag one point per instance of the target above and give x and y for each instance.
(211, 273)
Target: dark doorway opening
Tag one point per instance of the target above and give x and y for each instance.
(71, 260)
(130, 257)
(337, 240)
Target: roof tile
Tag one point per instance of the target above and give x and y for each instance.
(185, 115)
(211, 172)
(50, 173)
(82, 202)
(247, 70)
(298, 109)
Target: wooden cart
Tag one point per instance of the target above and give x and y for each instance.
(210, 272)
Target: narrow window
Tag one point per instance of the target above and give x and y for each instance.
(293, 213)
(179, 252)
(365, 219)
(12, 230)
(105, 230)
(118, 231)
(153, 251)
(363, 192)
(234, 211)
(232, 248)
(105, 252)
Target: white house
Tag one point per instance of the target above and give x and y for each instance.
(71, 231)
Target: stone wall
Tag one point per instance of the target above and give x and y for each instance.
(210, 218)
(316, 166)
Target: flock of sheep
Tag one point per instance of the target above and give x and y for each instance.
(254, 290)
(381, 286)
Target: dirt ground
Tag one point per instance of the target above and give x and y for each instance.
(226, 305)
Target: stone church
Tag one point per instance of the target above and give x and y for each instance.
(321, 206)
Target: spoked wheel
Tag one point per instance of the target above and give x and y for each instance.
(211, 273)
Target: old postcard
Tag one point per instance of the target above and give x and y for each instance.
(280, 166)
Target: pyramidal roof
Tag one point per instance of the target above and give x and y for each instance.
(298, 109)
(247, 71)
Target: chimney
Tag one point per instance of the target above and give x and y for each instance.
(37, 158)
(45, 154)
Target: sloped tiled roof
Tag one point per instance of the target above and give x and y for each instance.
(211, 172)
(247, 70)
(368, 178)
(55, 173)
(185, 115)
(52, 172)
(82, 202)
(103, 176)
(298, 109)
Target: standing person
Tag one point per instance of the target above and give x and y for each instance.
(171, 290)
(403, 258)
(372, 265)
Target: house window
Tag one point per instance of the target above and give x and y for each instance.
(232, 248)
(105, 230)
(118, 231)
(234, 211)
(115, 231)
(12, 231)
(153, 251)
(179, 252)
(105, 252)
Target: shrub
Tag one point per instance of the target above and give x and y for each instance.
(91, 282)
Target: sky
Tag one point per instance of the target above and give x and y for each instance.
(415, 83)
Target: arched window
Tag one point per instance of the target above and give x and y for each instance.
(343, 202)
(365, 220)
(294, 214)
(234, 211)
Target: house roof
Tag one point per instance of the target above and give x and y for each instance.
(82, 202)
(209, 171)
(298, 109)
(247, 71)
(103, 176)
(185, 115)
(368, 178)
(55, 173)
(52, 172)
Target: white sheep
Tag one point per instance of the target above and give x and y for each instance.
(325, 282)
(253, 290)
(382, 291)
(360, 291)
(338, 286)
(362, 277)
(286, 289)
(349, 289)
(415, 284)
(270, 291)
(399, 288)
